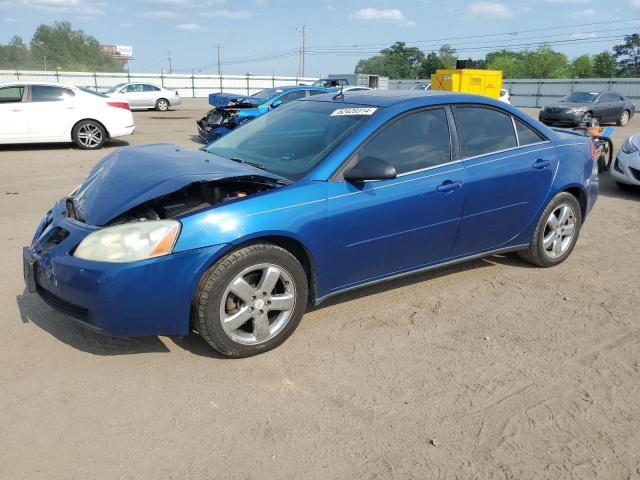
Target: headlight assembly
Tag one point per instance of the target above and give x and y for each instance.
(630, 146)
(577, 110)
(130, 242)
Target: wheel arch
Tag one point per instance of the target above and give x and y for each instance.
(580, 195)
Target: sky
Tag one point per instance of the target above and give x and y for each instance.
(263, 37)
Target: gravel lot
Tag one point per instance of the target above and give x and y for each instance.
(492, 369)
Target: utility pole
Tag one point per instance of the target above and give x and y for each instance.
(45, 62)
(170, 66)
(219, 47)
(304, 29)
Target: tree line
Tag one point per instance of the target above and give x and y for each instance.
(400, 61)
(57, 46)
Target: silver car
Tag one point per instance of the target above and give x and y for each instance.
(145, 95)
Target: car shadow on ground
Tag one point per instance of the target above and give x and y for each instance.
(609, 188)
(510, 259)
(22, 147)
(34, 310)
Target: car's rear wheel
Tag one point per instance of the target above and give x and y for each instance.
(250, 301)
(625, 116)
(89, 135)
(162, 105)
(556, 232)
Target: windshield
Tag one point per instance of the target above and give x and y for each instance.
(116, 88)
(293, 139)
(580, 97)
(266, 94)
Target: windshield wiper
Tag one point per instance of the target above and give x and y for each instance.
(257, 165)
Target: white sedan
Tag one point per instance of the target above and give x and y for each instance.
(38, 112)
(145, 96)
(626, 167)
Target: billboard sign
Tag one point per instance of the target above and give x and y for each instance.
(121, 52)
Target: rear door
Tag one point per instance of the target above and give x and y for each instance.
(378, 228)
(13, 118)
(510, 167)
(150, 94)
(51, 110)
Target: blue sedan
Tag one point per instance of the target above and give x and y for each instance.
(231, 110)
(321, 196)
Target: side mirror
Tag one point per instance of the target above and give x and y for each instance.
(370, 168)
(276, 103)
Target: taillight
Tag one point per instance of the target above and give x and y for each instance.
(593, 151)
(177, 94)
(124, 105)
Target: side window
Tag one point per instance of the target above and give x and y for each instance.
(131, 88)
(44, 93)
(483, 130)
(291, 96)
(11, 94)
(527, 136)
(150, 88)
(413, 142)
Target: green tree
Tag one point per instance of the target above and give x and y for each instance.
(628, 55)
(448, 56)
(397, 61)
(510, 63)
(71, 49)
(582, 67)
(604, 65)
(544, 62)
(15, 54)
(429, 66)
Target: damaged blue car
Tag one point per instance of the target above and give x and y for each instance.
(231, 110)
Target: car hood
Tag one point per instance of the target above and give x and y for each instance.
(132, 176)
(222, 100)
(567, 105)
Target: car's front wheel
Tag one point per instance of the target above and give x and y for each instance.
(162, 105)
(250, 301)
(556, 232)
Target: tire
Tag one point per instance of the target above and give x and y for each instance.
(538, 252)
(162, 105)
(244, 324)
(588, 120)
(89, 135)
(625, 116)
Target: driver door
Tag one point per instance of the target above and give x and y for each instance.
(379, 228)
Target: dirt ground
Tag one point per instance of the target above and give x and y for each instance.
(492, 369)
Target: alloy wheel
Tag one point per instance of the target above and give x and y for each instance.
(258, 304)
(163, 105)
(559, 231)
(89, 135)
(624, 118)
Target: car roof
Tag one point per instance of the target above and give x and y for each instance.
(35, 82)
(389, 98)
(300, 87)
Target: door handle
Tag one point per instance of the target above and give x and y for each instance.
(448, 186)
(15, 110)
(540, 164)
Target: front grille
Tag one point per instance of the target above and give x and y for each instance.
(53, 237)
(635, 172)
(63, 306)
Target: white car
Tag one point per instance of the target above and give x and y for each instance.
(505, 96)
(626, 167)
(40, 112)
(354, 88)
(145, 96)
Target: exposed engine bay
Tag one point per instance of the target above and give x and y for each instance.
(194, 197)
(223, 115)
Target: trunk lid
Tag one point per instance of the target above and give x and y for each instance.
(223, 100)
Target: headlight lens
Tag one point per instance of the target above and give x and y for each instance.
(577, 110)
(630, 145)
(130, 242)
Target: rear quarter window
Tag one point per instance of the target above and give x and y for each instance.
(526, 135)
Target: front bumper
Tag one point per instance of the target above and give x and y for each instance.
(561, 118)
(626, 168)
(149, 297)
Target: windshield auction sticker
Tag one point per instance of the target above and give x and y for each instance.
(354, 111)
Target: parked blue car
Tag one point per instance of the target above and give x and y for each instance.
(231, 110)
(324, 195)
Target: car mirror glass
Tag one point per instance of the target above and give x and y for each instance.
(370, 168)
(276, 103)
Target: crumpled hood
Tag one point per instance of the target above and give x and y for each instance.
(221, 100)
(134, 175)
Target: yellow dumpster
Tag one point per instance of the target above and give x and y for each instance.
(467, 80)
